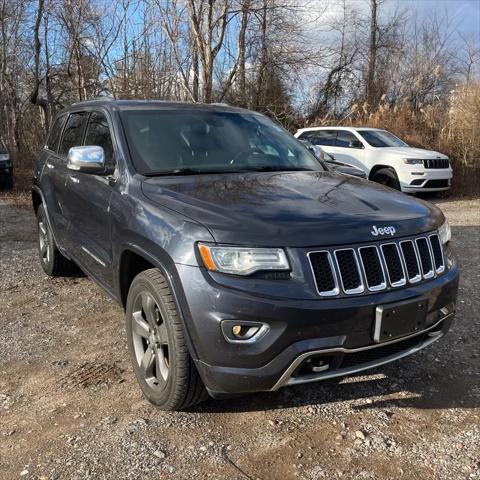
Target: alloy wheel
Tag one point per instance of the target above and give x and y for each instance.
(43, 242)
(150, 341)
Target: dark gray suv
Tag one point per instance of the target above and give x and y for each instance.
(6, 170)
(242, 264)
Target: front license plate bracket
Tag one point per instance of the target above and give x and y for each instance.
(397, 320)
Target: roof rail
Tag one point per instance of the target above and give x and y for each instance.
(96, 99)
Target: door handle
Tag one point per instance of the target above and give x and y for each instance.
(49, 165)
(74, 179)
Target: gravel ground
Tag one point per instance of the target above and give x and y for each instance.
(70, 408)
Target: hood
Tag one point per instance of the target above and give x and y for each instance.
(410, 152)
(296, 209)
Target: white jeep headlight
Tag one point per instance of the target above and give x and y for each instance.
(413, 161)
(445, 233)
(242, 260)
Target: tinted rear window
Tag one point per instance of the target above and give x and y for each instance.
(73, 132)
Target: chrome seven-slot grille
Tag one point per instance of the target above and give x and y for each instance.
(372, 268)
(436, 163)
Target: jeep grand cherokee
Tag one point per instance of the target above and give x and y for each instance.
(241, 263)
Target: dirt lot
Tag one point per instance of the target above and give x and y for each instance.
(70, 408)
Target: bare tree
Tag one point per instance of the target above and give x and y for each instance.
(372, 51)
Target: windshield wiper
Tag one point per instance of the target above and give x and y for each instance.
(188, 171)
(273, 168)
(199, 171)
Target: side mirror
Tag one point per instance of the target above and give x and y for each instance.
(355, 144)
(87, 159)
(312, 149)
(317, 151)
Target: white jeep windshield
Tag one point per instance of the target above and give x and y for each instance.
(381, 138)
(193, 140)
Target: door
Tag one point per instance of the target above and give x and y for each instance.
(49, 158)
(65, 133)
(348, 149)
(88, 205)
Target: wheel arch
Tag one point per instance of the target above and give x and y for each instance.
(134, 260)
(37, 199)
(378, 167)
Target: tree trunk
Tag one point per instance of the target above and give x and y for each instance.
(372, 58)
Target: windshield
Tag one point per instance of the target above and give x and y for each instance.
(198, 141)
(381, 138)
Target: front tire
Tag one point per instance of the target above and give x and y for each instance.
(387, 177)
(53, 262)
(158, 349)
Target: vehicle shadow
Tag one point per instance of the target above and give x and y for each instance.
(413, 383)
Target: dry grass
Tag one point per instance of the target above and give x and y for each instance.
(20, 198)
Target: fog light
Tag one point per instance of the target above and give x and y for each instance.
(236, 331)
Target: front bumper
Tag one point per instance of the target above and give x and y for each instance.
(425, 180)
(299, 330)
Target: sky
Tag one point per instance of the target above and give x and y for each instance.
(464, 13)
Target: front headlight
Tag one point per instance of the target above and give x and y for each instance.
(445, 233)
(242, 260)
(413, 161)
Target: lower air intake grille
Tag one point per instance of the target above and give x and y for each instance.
(437, 184)
(375, 354)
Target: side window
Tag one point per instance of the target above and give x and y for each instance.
(325, 137)
(345, 139)
(307, 136)
(54, 137)
(98, 133)
(73, 132)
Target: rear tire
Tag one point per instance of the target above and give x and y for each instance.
(156, 340)
(387, 177)
(53, 262)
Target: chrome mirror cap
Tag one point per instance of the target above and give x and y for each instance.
(86, 159)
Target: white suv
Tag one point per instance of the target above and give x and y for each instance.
(383, 157)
